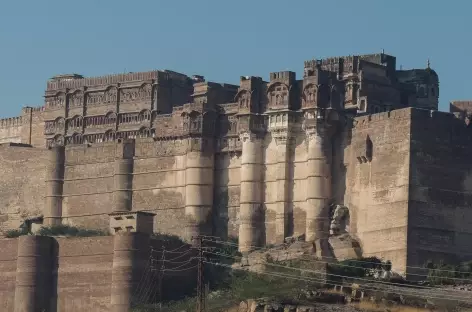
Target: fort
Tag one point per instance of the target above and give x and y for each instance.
(261, 161)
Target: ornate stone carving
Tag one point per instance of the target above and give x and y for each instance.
(340, 220)
(111, 95)
(54, 126)
(95, 98)
(243, 98)
(310, 93)
(136, 94)
(109, 136)
(57, 101)
(76, 138)
(76, 99)
(191, 122)
(228, 144)
(248, 136)
(103, 121)
(283, 136)
(278, 94)
(75, 122)
(49, 127)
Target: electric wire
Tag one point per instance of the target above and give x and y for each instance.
(353, 260)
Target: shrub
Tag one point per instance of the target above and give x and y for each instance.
(356, 267)
(71, 231)
(446, 274)
(16, 233)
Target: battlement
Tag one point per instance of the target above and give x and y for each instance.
(417, 114)
(283, 75)
(79, 81)
(11, 122)
(377, 58)
(36, 109)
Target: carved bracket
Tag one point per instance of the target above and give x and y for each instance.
(283, 136)
(249, 136)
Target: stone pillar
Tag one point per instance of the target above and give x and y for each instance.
(54, 186)
(123, 176)
(250, 229)
(318, 191)
(283, 141)
(34, 274)
(130, 256)
(198, 192)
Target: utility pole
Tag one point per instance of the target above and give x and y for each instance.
(200, 277)
(161, 275)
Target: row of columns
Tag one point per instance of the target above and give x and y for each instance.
(199, 172)
(318, 186)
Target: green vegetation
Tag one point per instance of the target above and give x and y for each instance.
(241, 286)
(70, 231)
(448, 274)
(58, 230)
(359, 268)
(16, 233)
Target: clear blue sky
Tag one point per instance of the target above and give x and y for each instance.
(223, 40)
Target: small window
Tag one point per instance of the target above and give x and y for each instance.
(368, 148)
(433, 92)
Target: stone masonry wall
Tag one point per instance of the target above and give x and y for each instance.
(11, 129)
(226, 194)
(8, 273)
(159, 184)
(88, 185)
(440, 189)
(377, 189)
(84, 273)
(78, 274)
(28, 128)
(83, 278)
(22, 187)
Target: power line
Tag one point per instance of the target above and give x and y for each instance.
(200, 277)
(307, 279)
(256, 248)
(335, 275)
(364, 268)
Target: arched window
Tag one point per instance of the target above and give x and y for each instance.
(109, 136)
(144, 133)
(145, 115)
(110, 118)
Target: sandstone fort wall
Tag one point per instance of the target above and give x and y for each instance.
(83, 274)
(261, 161)
(82, 279)
(440, 189)
(22, 187)
(377, 184)
(391, 168)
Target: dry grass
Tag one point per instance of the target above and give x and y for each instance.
(374, 307)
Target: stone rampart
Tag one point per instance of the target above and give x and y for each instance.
(103, 274)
